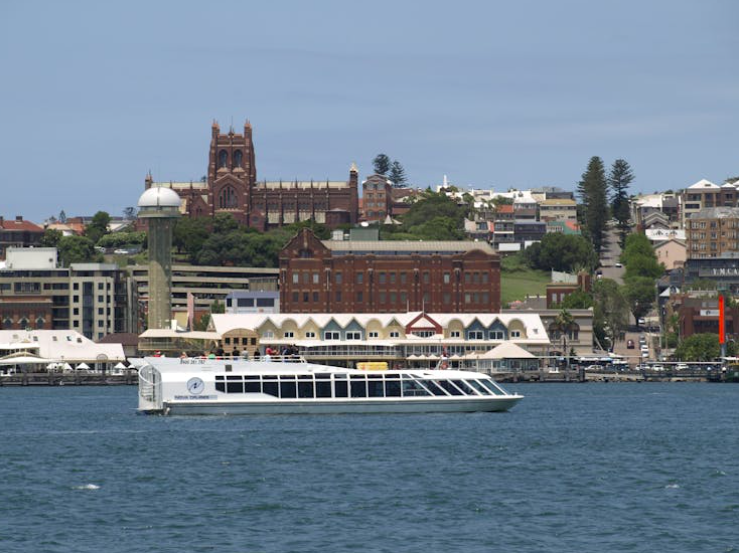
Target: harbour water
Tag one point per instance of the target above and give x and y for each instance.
(592, 467)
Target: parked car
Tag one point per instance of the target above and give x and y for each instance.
(658, 368)
(629, 344)
(619, 265)
(681, 367)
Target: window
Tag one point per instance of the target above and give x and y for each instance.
(296, 297)
(338, 277)
(426, 277)
(338, 296)
(315, 277)
(305, 297)
(222, 159)
(315, 297)
(374, 334)
(447, 278)
(101, 299)
(360, 278)
(238, 158)
(475, 335)
(360, 297)
(310, 334)
(101, 286)
(394, 334)
(497, 335)
(296, 278)
(454, 334)
(468, 298)
(403, 299)
(331, 335)
(382, 278)
(446, 298)
(392, 278)
(382, 297)
(353, 335)
(289, 334)
(403, 278)
(515, 333)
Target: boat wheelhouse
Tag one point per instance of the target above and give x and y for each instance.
(290, 385)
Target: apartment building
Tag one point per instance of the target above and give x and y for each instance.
(713, 232)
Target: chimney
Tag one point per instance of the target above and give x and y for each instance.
(19, 218)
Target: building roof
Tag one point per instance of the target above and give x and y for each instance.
(559, 202)
(703, 184)
(716, 213)
(19, 225)
(659, 235)
(505, 208)
(61, 345)
(222, 323)
(379, 246)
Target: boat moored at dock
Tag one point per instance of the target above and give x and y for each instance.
(201, 386)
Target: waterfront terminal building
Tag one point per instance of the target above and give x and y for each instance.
(408, 339)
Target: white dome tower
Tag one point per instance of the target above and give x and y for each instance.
(160, 206)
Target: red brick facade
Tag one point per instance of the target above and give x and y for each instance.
(232, 187)
(346, 277)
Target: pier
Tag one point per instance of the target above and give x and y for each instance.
(77, 378)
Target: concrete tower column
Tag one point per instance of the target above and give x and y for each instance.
(160, 207)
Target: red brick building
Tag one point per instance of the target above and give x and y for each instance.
(387, 276)
(231, 186)
(18, 233)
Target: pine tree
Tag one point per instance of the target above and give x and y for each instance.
(397, 175)
(592, 190)
(382, 164)
(618, 180)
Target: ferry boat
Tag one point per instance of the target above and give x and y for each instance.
(202, 386)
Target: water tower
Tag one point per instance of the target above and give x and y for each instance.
(160, 207)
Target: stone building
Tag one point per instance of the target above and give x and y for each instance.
(231, 186)
(388, 276)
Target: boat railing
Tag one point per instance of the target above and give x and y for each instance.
(261, 359)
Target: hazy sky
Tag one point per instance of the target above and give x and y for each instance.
(493, 94)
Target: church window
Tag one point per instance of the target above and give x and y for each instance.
(238, 158)
(227, 198)
(222, 159)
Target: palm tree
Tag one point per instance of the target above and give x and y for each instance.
(565, 323)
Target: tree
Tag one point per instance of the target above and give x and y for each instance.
(578, 299)
(189, 235)
(62, 217)
(51, 238)
(565, 324)
(640, 293)
(217, 307)
(561, 252)
(702, 347)
(593, 196)
(77, 249)
(381, 164)
(98, 226)
(619, 179)
(397, 175)
(223, 223)
(610, 311)
(129, 213)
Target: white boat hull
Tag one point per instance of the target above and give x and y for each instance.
(287, 407)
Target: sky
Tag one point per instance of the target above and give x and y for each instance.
(492, 94)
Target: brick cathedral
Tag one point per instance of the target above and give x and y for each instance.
(231, 186)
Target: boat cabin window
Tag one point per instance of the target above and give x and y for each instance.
(378, 385)
(490, 385)
(479, 387)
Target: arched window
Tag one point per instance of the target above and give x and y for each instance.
(8, 322)
(238, 158)
(227, 198)
(222, 159)
(40, 322)
(23, 323)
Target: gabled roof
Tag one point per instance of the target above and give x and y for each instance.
(704, 184)
(507, 350)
